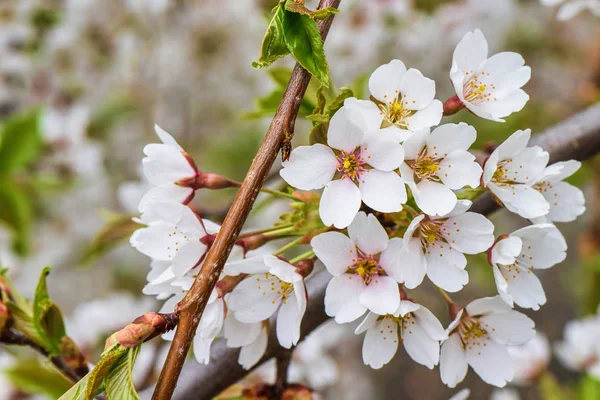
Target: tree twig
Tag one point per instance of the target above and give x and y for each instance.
(576, 138)
(283, 363)
(191, 307)
(12, 337)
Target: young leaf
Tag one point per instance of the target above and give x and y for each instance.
(304, 41)
(16, 210)
(273, 45)
(20, 141)
(47, 317)
(119, 382)
(32, 377)
(345, 93)
(318, 134)
(117, 230)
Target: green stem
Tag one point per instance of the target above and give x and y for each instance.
(287, 246)
(303, 256)
(263, 231)
(279, 194)
(445, 296)
(281, 231)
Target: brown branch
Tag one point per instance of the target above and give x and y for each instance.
(576, 138)
(11, 337)
(191, 307)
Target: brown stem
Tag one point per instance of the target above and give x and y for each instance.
(190, 309)
(15, 338)
(283, 364)
(577, 138)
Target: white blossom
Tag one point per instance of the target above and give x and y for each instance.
(438, 162)
(271, 285)
(435, 246)
(479, 337)
(361, 266)
(565, 200)
(402, 101)
(462, 394)
(357, 165)
(514, 257)
(505, 394)
(580, 348)
(530, 359)
(570, 8)
(413, 325)
(174, 234)
(170, 169)
(511, 170)
(488, 87)
(252, 338)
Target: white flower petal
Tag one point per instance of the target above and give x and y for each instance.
(381, 296)
(166, 192)
(521, 199)
(309, 167)
(430, 324)
(342, 298)
(417, 91)
(239, 334)
(381, 343)
(288, 323)
(460, 169)
(420, 347)
(453, 361)
(346, 130)
(187, 257)
(336, 250)
(367, 234)
(166, 138)
(491, 362)
(509, 328)
(382, 191)
(250, 265)
(469, 233)
(385, 80)
(448, 138)
(446, 268)
(524, 287)
(434, 198)
(339, 203)
(252, 353)
(543, 246)
(252, 300)
(382, 152)
(487, 305)
(425, 118)
(470, 53)
(506, 250)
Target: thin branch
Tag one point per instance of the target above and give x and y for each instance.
(192, 306)
(283, 363)
(577, 138)
(11, 337)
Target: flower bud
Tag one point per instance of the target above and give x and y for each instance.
(228, 283)
(453, 105)
(203, 180)
(143, 328)
(305, 267)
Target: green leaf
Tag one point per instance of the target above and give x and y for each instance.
(23, 323)
(303, 39)
(273, 45)
(119, 382)
(32, 377)
(16, 210)
(321, 101)
(345, 93)
(47, 317)
(20, 141)
(549, 388)
(589, 388)
(324, 12)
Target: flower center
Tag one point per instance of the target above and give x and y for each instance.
(476, 91)
(286, 289)
(472, 333)
(394, 112)
(351, 165)
(367, 268)
(426, 167)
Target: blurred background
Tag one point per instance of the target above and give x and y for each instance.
(82, 82)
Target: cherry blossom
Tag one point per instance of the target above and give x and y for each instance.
(413, 325)
(570, 8)
(505, 394)
(357, 165)
(462, 394)
(511, 170)
(479, 336)
(580, 348)
(252, 338)
(435, 246)
(436, 163)
(488, 87)
(272, 284)
(565, 200)
(168, 167)
(515, 256)
(174, 234)
(402, 101)
(361, 266)
(530, 359)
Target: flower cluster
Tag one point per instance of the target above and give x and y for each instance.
(395, 207)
